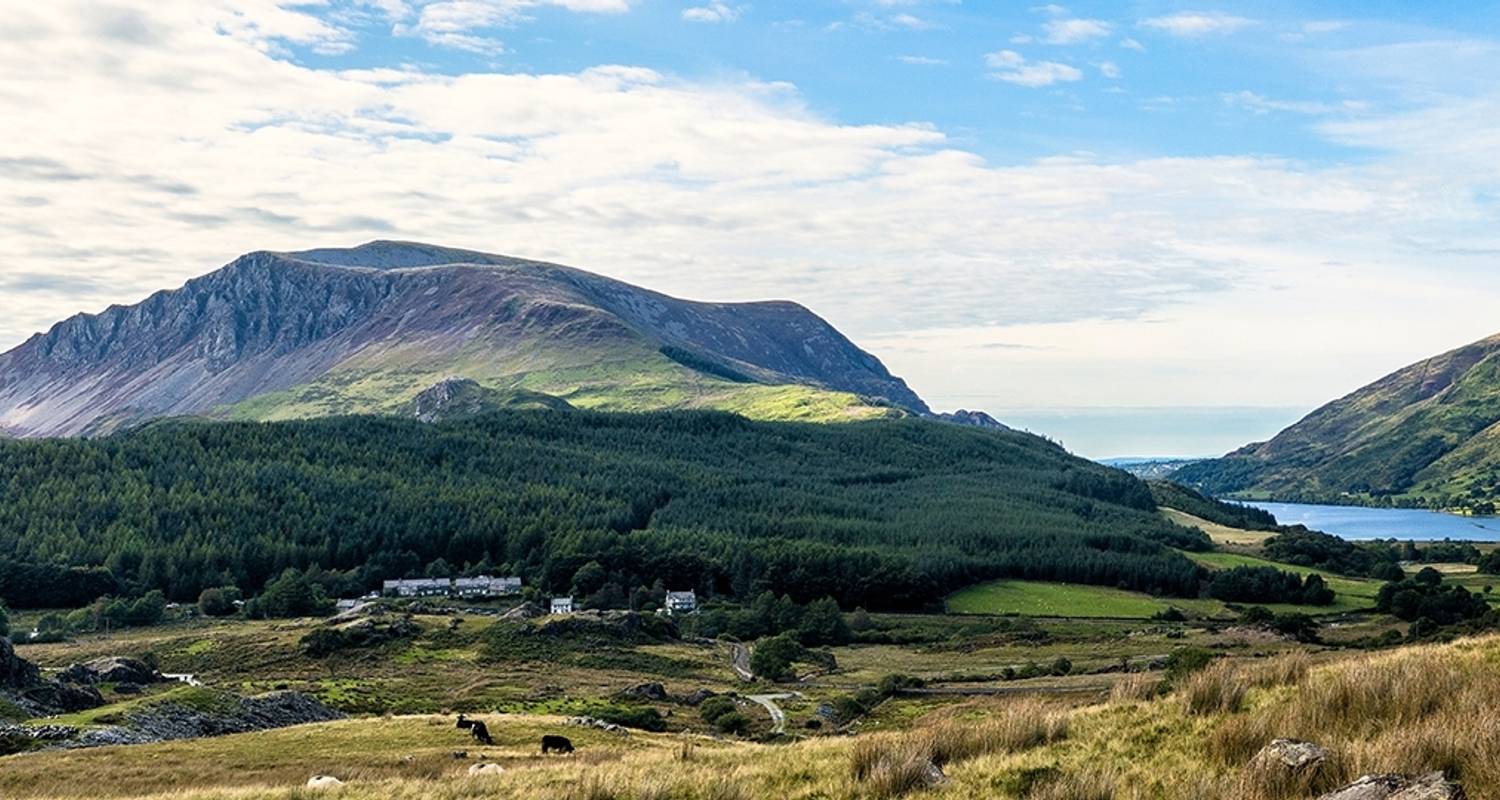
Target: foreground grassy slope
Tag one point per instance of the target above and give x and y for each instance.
(1427, 435)
(1415, 710)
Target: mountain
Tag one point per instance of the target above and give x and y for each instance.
(1428, 435)
(368, 329)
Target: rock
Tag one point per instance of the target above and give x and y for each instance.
(697, 697)
(524, 611)
(975, 419)
(128, 688)
(1292, 754)
(932, 775)
(112, 669)
(485, 770)
(645, 692)
(1432, 786)
(16, 672)
(323, 782)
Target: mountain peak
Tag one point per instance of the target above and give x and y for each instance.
(365, 329)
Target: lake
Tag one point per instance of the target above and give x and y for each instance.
(1354, 522)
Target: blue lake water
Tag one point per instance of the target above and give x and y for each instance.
(1353, 522)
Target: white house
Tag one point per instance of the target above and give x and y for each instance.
(486, 586)
(418, 587)
(562, 605)
(682, 602)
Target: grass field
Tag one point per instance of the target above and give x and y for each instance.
(1041, 599)
(1220, 534)
(1419, 709)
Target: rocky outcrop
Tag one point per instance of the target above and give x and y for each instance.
(22, 685)
(974, 419)
(1432, 786)
(111, 669)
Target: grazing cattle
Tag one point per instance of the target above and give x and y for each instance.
(486, 770)
(323, 782)
(476, 729)
(556, 744)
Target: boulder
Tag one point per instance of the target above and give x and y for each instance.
(486, 770)
(644, 693)
(697, 697)
(112, 669)
(524, 611)
(1292, 754)
(932, 775)
(1432, 786)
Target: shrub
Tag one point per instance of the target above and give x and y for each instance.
(640, 717)
(1184, 661)
(714, 707)
(734, 723)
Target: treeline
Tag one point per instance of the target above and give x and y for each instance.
(1268, 585)
(1173, 495)
(886, 515)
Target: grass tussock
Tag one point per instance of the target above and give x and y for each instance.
(1095, 784)
(1284, 670)
(1135, 689)
(1219, 688)
(894, 765)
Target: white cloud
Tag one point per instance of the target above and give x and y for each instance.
(1191, 24)
(1260, 104)
(459, 23)
(1109, 69)
(139, 156)
(1131, 44)
(713, 12)
(923, 61)
(1011, 67)
(1072, 31)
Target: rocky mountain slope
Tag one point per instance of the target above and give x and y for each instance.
(369, 329)
(1426, 435)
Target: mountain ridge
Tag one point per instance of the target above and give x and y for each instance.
(333, 330)
(1425, 435)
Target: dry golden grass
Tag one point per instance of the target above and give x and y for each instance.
(1415, 710)
(1136, 688)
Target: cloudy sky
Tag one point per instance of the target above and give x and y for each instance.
(1144, 228)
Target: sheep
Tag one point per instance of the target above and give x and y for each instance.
(485, 770)
(323, 782)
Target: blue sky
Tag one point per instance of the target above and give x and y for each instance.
(1142, 228)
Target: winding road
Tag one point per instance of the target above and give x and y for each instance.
(739, 660)
(768, 701)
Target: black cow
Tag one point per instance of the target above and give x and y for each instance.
(476, 729)
(558, 744)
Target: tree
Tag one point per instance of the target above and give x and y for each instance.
(1429, 576)
(292, 595)
(823, 624)
(1062, 666)
(148, 609)
(773, 657)
(219, 601)
(589, 578)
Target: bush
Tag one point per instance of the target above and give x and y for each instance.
(1186, 661)
(734, 723)
(291, 595)
(714, 707)
(640, 717)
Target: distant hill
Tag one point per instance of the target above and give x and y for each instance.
(1148, 468)
(368, 329)
(1428, 435)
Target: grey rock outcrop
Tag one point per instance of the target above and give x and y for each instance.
(1432, 786)
(112, 669)
(1292, 755)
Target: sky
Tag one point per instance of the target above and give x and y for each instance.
(1141, 228)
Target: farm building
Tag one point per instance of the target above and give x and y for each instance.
(682, 602)
(562, 605)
